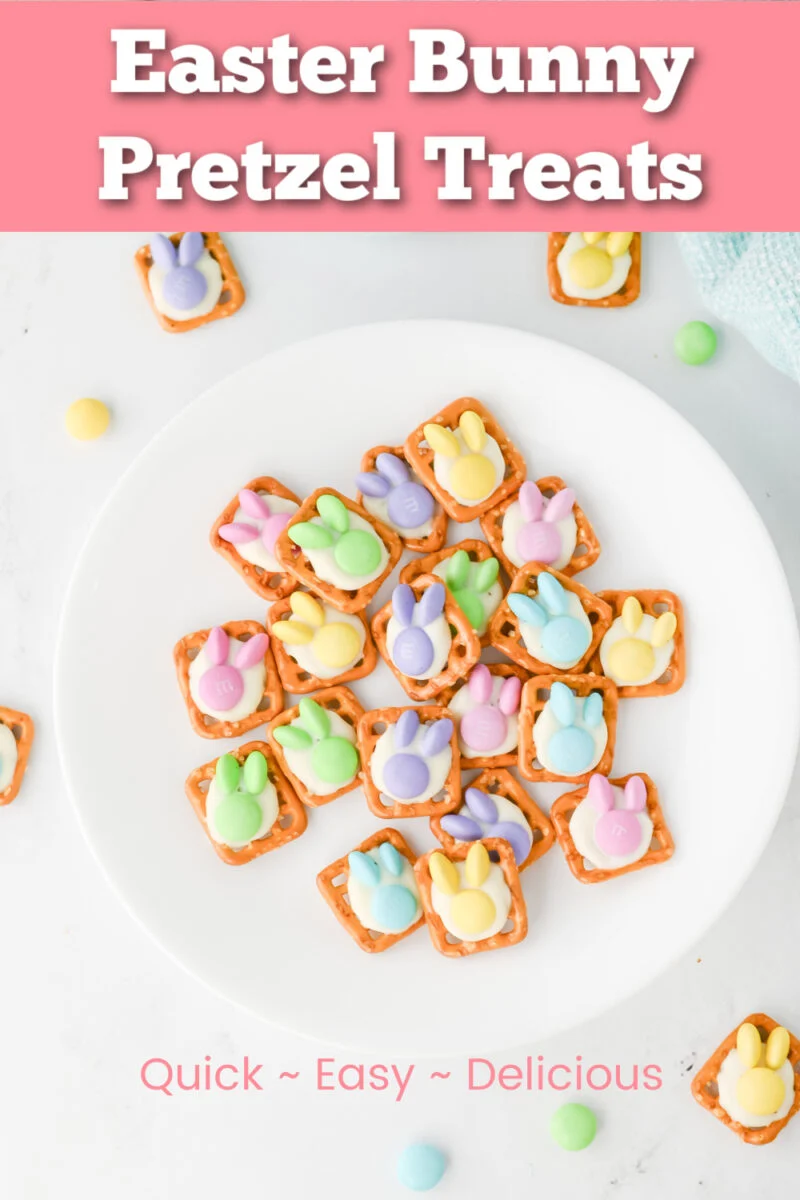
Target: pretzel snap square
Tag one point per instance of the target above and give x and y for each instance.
(228, 679)
(425, 638)
(472, 898)
(315, 745)
(316, 646)
(485, 707)
(411, 761)
(16, 739)
(643, 651)
(496, 805)
(471, 573)
(245, 531)
(373, 891)
(189, 279)
(594, 270)
(548, 623)
(542, 522)
(390, 491)
(567, 728)
(466, 459)
(246, 805)
(751, 1083)
(344, 553)
(611, 827)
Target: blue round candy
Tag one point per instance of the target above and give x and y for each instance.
(394, 907)
(571, 750)
(410, 505)
(420, 1167)
(565, 640)
(413, 651)
(406, 776)
(184, 288)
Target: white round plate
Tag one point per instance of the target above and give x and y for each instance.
(668, 513)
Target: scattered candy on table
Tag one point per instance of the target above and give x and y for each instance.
(573, 1126)
(695, 343)
(420, 1167)
(87, 419)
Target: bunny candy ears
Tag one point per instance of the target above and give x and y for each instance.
(409, 503)
(601, 794)
(435, 737)
(253, 775)
(564, 704)
(368, 872)
(165, 255)
(538, 540)
(482, 819)
(184, 286)
(481, 686)
(663, 629)
(221, 686)
(268, 526)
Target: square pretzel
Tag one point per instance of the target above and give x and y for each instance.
(289, 824)
(336, 699)
(705, 1092)
(626, 294)
(478, 552)
(662, 846)
(498, 782)
(535, 695)
(298, 681)
(587, 544)
(496, 670)
(370, 728)
(268, 585)
(332, 882)
(22, 729)
(231, 298)
(465, 648)
(438, 533)
(517, 914)
(504, 627)
(297, 563)
(187, 649)
(653, 601)
(420, 455)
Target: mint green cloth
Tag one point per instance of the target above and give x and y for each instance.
(752, 280)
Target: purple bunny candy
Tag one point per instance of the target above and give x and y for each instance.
(481, 821)
(413, 650)
(409, 503)
(184, 286)
(407, 775)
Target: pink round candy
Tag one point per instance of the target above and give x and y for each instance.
(272, 527)
(539, 542)
(483, 728)
(221, 687)
(617, 832)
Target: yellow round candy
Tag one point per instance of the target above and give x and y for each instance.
(590, 267)
(618, 243)
(337, 644)
(631, 614)
(473, 911)
(592, 239)
(630, 659)
(87, 419)
(760, 1092)
(472, 476)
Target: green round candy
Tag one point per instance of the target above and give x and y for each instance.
(334, 760)
(255, 774)
(573, 1126)
(695, 343)
(358, 552)
(470, 604)
(238, 818)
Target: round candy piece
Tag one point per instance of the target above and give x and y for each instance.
(631, 659)
(473, 476)
(412, 652)
(590, 267)
(334, 760)
(410, 505)
(184, 288)
(573, 1126)
(406, 776)
(87, 419)
(618, 832)
(221, 687)
(394, 907)
(565, 639)
(571, 750)
(357, 552)
(473, 910)
(238, 818)
(483, 728)
(695, 343)
(761, 1091)
(420, 1167)
(539, 541)
(337, 644)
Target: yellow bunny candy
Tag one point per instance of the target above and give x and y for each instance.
(335, 644)
(618, 243)
(592, 239)
(760, 1090)
(444, 874)
(632, 659)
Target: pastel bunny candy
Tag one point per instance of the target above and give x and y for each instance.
(189, 280)
(468, 463)
(554, 627)
(258, 524)
(221, 685)
(539, 539)
(418, 637)
(638, 647)
(617, 831)
(319, 747)
(482, 819)
(488, 713)
(324, 642)
(761, 1090)
(570, 733)
(407, 505)
(184, 286)
(382, 889)
(246, 802)
(474, 586)
(356, 550)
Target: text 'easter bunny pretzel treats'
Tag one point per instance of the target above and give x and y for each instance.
(466, 459)
(643, 651)
(568, 727)
(486, 710)
(228, 679)
(189, 279)
(373, 891)
(411, 762)
(315, 745)
(598, 270)
(471, 574)
(752, 1081)
(542, 523)
(16, 739)
(245, 531)
(471, 902)
(390, 491)
(245, 804)
(497, 806)
(316, 646)
(345, 554)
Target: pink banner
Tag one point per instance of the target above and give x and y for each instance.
(396, 116)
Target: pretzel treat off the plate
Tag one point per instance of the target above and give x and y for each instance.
(479, 456)
(16, 739)
(706, 1086)
(572, 621)
(228, 688)
(478, 592)
(626, 294)
(530, 532)
(617, 830)
(241, 799)
(447, 622)
(575, 748)
(244, 534)
(472, 903)
(411, 753)
(401, 503)
(315, 745)
(353, 552)
(317, 646)
(504, 791)
(486, 709)
(231, 294)
(636, 644)
(368, 892)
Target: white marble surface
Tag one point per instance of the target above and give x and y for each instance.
(86, 998)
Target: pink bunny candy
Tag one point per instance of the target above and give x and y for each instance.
(617, 832)
(221, 687)
(269, 526)
(485, 727)
(538, 540)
